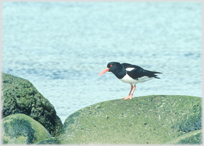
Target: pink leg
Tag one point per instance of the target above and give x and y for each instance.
(133, 89)
(130, 95)
(130, 89)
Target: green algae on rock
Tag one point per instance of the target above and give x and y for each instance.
(52, 140)
(20, 96)
(155, 119)
(22, 129)
(194, 137)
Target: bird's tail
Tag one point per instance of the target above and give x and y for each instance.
(154, 74)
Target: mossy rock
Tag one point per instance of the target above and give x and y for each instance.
(20, 96)
(194, 137)
(52, 140)
(22, 129)
(155, 119)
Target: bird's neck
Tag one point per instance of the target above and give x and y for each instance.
(120, 72)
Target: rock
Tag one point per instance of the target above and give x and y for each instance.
(22, 129)
(20, 96)
(194, 137)
(155, 119)
(53, 140)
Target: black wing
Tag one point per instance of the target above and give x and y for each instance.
(127, 65)
(138, 72)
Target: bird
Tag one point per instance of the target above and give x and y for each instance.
(131, 74)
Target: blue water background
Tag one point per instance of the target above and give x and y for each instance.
(61, 47)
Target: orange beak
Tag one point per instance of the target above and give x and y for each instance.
(107, 69)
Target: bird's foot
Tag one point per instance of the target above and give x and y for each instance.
(128, 97)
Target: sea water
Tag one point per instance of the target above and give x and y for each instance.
(61, 47)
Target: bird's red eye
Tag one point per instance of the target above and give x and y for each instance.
(111, 65)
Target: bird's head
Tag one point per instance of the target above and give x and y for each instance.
(112, 67)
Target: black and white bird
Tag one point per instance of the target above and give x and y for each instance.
(131, 74)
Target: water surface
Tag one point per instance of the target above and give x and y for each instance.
(61, 47)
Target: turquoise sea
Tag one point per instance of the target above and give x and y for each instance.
(61, 47)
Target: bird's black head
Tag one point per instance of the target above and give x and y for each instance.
(113, 66)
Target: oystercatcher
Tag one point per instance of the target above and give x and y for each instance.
(131, 74)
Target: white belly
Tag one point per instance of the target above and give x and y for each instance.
(128, 79)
